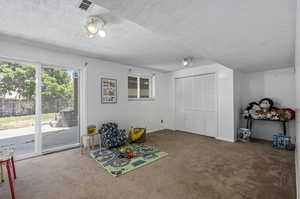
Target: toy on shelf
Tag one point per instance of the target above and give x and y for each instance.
(252, 111)
(286, 114)
(267, 110)
(244, 135)
(137, 135)
(264, 110)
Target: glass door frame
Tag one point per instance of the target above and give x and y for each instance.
(82, 74)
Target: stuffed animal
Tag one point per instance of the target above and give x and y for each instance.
(266, 104)
(286, 114)
(252, 111)
(266, 111)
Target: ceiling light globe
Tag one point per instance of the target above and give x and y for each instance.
(185, 62)
(91, 36)
(102, 33)
(92, 28)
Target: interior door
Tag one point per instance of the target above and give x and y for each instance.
(196, 104)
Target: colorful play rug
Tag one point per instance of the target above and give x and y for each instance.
(117, 166)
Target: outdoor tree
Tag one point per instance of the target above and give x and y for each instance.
(57, 88)
(19, 80)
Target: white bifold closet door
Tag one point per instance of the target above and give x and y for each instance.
(196, 105)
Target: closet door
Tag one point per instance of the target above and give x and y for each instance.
(188, 107)
(207, 104)
(196, 105)
(179, 104)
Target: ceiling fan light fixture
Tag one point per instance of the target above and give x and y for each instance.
(187, 61)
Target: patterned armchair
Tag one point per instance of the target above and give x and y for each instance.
(111, 136)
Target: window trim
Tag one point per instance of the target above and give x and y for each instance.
(151, 79)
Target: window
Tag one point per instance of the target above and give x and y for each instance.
(132, 87)
(141, 87)
(144, 88)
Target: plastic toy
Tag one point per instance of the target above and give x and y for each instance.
(121, 152)
(124, 152)
(283, 142)
(137, 135)
(91, 129)
(129, 153)
(244, 135)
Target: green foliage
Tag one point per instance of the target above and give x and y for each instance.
(17, 78)
(57, 84)
(20, 79)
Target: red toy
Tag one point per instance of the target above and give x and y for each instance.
(290, 113)
(129, 153)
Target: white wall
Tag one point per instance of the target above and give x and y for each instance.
(128, 113)
(279, 85)
(137, 113)
(226, 123)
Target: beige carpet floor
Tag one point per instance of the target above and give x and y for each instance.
(196, 167)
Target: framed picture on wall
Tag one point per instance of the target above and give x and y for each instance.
(108, 91)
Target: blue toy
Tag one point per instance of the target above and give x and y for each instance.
(282, 141)
(244, 135)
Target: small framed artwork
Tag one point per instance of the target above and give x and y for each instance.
(108, 91)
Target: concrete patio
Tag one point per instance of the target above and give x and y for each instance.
(24, 138)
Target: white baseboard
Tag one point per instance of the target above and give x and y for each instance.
(225, 139)
(218, 138)
(154, 130)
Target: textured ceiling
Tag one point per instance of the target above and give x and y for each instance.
(60, 23)
(251, 35)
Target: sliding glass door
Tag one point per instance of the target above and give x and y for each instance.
(39, 107)
(17, 106)
(60, 94)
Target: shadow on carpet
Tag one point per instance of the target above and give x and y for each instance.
(116, 166)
